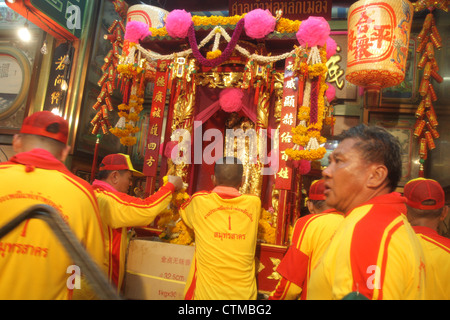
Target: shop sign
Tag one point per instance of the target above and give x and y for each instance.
(292, 9)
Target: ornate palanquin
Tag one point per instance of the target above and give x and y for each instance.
(281, 87)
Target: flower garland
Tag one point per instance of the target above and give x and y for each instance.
(283, 25)
(226, 53)
(266, 228)
(175, 230)
(311, 113)
(256, 57)
(129, 115)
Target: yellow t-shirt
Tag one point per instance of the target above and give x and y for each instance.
(374, 252)
(33, 263)
(120, 211)
(436, 249)
(226, 226)
(310, 238)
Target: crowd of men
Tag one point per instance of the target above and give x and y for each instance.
(361, 240)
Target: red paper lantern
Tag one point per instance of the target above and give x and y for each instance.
(378, 41)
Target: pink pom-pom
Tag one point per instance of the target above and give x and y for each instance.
(178, 23)
(168, 149)
(331, 92)
(331, 47)
(259, 23)
(303, 166)
(230, 99)
(136, 30)
(314, 31)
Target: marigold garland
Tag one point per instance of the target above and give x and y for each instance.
(175, 230)
(129, 115)
(307, 133)
(213, 54)
(266, 229)
(283, 25)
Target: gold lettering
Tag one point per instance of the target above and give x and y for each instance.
(158, 97)
(154, 130)
(55, 97)
(156, 113)
(160, 82)
(60, 63)
(286, 137)
(150, 161)
(335, 73)
(284, 173)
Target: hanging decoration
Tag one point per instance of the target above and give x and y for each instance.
(429, 40)
(283, 25)
(230, 100)
(178, 23)
(134, 71)
(311, 65)
(378, 41)
(259, 23)
(109, 81)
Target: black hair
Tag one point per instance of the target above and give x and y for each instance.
(228, 172)
(377, 145)
(319, 204)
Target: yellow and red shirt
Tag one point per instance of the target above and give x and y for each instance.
(226, 226)
(374, 252)
(120, 211)
(310, 238)
(437, 255)
(33, 263)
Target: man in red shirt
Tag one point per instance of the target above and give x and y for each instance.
(310, 238)
(374, 253)
(425, 200)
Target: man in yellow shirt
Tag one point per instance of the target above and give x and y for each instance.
(225, 224)
(374, 253)
(120, 211)
(425, 200)
(33, 263)
(311, 236)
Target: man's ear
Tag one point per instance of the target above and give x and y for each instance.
(310, 206)
(65, 153)
(114, 176)
(377, 175)
(444, 213)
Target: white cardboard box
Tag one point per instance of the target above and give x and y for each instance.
(156, 270)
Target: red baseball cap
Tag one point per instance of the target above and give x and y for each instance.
(46, 124)
(418, 190)
(316, 190)
(119, 161)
